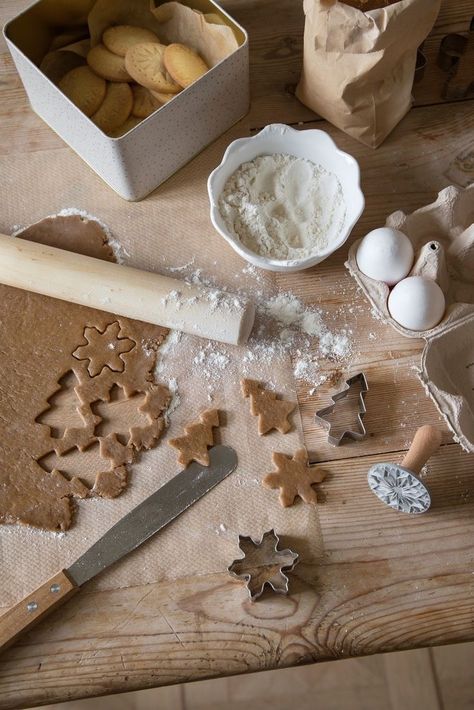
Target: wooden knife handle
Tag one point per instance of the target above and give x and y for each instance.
(33, 608)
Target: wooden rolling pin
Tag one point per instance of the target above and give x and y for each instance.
(142, 295)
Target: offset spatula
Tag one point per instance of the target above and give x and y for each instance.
(142, 522)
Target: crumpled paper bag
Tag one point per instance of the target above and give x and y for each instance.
(358, 67)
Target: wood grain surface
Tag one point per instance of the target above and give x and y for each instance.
(385, 582)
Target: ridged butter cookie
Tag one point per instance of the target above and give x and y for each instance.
(84, 88)
(183, 64)
(121, 38)
(116, 107)
(144, 63)
(107, 64)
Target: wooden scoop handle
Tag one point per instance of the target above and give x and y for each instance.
(33, 608)
(426, 441)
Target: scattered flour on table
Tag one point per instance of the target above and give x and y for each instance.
(284, 328)
(282, 207)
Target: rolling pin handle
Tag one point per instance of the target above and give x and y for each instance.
(425, 442)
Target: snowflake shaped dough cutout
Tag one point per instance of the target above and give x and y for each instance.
(104, 349)
(263, 564)
(294, 477)
(399, 488)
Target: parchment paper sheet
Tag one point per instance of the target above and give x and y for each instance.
(203, 540)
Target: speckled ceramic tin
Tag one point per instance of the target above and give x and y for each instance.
(137, 162)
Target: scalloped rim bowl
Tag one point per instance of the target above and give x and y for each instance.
(312, 144)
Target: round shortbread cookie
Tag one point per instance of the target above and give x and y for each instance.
(84, 88)
(130, 123)
(144, 63)
(144, 103)
(116, 107)
(162, 98)
(107, 64)
(57, 64)
(64, 39)
(121, 38)
(183, 64)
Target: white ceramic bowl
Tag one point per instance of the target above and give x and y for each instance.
(314, 145)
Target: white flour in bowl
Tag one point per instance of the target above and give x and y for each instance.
(282, 207)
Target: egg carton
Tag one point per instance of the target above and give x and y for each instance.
(447, 223)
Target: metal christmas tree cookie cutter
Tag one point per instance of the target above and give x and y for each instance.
(321, 414)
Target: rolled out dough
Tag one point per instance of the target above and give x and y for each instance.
(38, 336)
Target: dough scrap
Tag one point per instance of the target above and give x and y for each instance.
(272, 412)
(294, 477)
(193, 445)
(41, 350)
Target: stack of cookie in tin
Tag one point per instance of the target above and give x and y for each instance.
(128, 76)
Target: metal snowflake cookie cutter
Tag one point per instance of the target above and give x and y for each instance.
(321, 414)
(398, 485)
(263, 564)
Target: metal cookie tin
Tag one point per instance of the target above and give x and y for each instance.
(136, 163)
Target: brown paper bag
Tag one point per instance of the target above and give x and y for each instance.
(358, 67)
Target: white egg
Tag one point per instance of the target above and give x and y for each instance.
(417, 303)
(385, 254)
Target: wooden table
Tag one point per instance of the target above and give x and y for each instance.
(381, 585)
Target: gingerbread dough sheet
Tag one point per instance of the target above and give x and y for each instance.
(60, 365)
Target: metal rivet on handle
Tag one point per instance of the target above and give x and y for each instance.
(32, 606)
(54, 588)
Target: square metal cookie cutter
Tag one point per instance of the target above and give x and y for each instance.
(321, 414)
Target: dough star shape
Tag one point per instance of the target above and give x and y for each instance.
(263, 564)
(104, 348)
(294, 477)
(193, 445)
(272, 412)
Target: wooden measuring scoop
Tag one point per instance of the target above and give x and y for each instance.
(398, 485)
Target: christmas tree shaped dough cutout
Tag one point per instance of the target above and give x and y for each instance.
(193, 445)
(272, 412)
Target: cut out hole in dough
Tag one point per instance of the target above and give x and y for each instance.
(62, 411)
(119, 414)
(83, 464)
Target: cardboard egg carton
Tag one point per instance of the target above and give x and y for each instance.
(442, 234)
